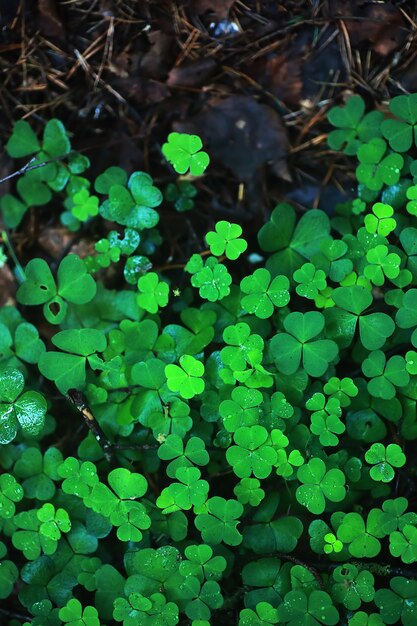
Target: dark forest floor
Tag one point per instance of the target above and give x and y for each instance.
(254, 79)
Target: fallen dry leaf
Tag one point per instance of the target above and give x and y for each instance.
(242, 134)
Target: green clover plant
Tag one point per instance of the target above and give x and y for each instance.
(211, 429)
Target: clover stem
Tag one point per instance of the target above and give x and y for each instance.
(20, 274)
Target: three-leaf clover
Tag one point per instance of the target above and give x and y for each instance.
(404, 544)
(73, 614)
(53, 522)
(220, 522)
(19, 410)
(316, 608)
(385, 375)
(73, 285)
(226, 240)
(184, 152)
(384, 459)
(263, 294)
(352, 126)
(68, 368)
(186, 378)
(10, 493)
(381, 264)
(298, 344)
(311, 281)
(153, 293)
(318, 483)
(380, 221)
(402, 132)
(252, 453)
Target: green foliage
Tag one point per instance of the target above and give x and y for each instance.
(184, 153)
(240, 443)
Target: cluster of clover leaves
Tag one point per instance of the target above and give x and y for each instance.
(260, 467)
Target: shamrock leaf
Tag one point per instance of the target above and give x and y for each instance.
(349, 313)
(10, 492)
(263, 294)
(74, 285)
(311, 281)
(401, 132)
(220, 522)
(380, 221)
(25, 410)
(404, 544)
(385, 375)
(73, 614)
(295, 346)
(153, 293)
(352, 126)
(67, 368)
(213, 280)
(319, 484)
(183, 151)
(226, 240)
(375, 169)
(383, 460)
(186, 378)
(252, 454)
(292, 244)
(317, 608)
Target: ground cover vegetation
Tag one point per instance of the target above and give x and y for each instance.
(249, 458)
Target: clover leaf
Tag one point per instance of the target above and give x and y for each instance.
(74, 614)
(384, 375)
(404, 544)
(10, 493)
(184, 152)
(38, 472)
(220, 522)
(399, 602)
(19, 410)
(352, 587)
(318, 483)
(380, 221)
(401, 132)
(146, 611)
(311, 281)
(263, 294)
(53, 522)
(186, 378)
(381, 264)
(74, 286)
(213, 280)
(153, 292)
(188, 492)
(349, 313)
(362, 537)
(252, 454)
(317, 608)
(292, 243)
(352, 126)
(384, 460)
(295, 346)
(375, 169)
(226, 240)
(68, 368)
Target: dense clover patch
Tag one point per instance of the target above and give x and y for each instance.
(251, 457)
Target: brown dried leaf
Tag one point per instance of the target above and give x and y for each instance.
(242, 134)
(191, 74)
